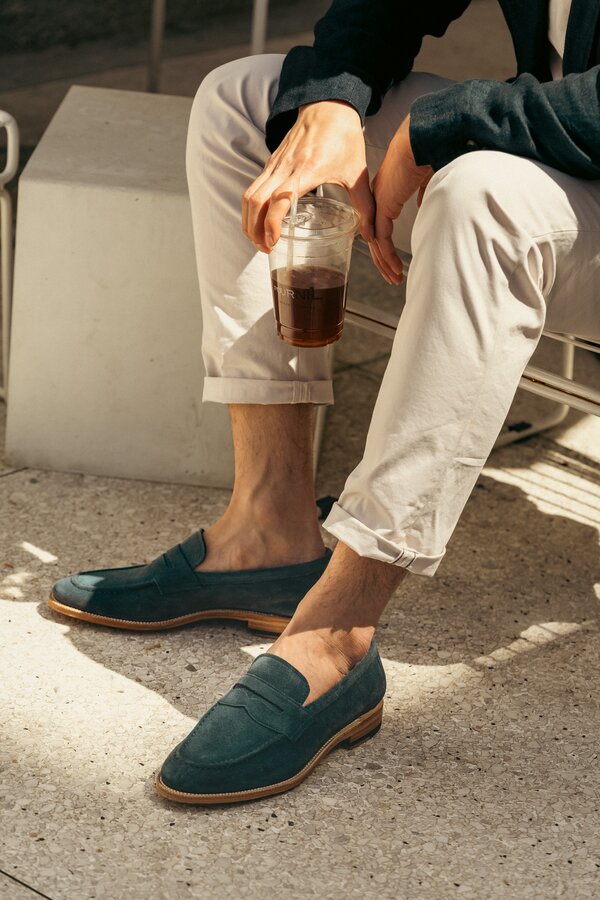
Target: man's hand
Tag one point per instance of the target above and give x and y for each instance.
(395, 182)
(326, 145)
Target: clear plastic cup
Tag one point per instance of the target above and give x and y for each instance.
(309, 271)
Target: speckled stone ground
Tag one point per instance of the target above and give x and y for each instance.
(484, 780)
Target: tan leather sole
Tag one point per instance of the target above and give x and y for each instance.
(255, 621)
(355, 733)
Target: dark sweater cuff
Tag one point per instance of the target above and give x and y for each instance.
(310, 79)
(439, 126)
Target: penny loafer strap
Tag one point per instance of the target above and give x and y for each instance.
(268, 706)
(181, 559)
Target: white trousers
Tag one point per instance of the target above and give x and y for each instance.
(501, 247)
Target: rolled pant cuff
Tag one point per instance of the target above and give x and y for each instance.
(254, 390)
(366, 542)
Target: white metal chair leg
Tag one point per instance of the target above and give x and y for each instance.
(157, 31)
(260, 14)
(521, 430)
(6, 238)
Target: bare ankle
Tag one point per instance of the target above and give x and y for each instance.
(351, 645)
(235, 546)
(280, 513)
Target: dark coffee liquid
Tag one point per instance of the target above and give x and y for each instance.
(309, 304)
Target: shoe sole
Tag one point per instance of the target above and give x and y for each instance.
(256, 621)
(363, 728)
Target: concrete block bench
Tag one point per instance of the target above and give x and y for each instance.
(106, 372)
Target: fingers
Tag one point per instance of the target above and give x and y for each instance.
(255, 206)
(250, 192)
(257, 196)
(383, 237)
(277, 210)
(362, 200)
(384, 269)
(255, 211)
(377, 261)
(299, 182)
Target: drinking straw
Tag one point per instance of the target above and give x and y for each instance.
(292, 228)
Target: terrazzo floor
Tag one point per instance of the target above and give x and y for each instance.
(484, 780)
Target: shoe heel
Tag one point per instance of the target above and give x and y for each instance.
(367, 727)
(267, 624)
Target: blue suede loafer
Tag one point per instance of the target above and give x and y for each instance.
(260, 740)
(168, 592)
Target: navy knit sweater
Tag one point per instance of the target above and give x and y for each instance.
(363, 47)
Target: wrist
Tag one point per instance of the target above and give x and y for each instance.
(328, 108)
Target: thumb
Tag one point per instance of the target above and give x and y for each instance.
(362, 200)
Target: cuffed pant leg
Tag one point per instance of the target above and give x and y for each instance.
(245, 360)
(501, 245)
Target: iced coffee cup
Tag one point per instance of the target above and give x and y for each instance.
(309, 271)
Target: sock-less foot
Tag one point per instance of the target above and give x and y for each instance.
(333, 626)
